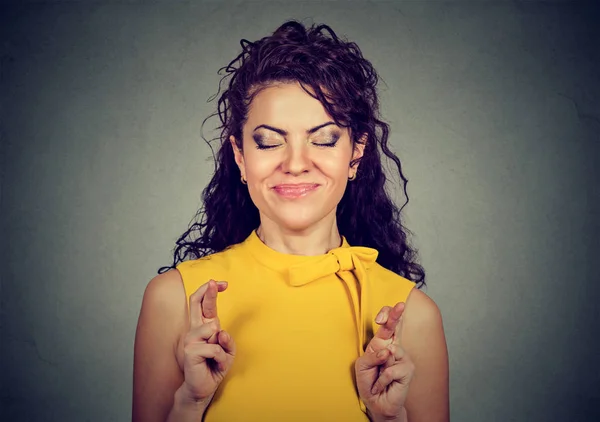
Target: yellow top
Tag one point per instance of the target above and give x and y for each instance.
(299, 323)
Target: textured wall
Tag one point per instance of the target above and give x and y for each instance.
(494, 111)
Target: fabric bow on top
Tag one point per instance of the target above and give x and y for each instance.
(350, 264)
(334, 262)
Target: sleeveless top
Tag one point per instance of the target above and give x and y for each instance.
(299, 324)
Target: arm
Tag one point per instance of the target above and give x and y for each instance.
(184, 410)
(401, 418)
(157, 376)
(424, 340)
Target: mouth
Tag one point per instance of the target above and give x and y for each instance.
(296, 190)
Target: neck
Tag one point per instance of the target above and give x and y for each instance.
(314, 240)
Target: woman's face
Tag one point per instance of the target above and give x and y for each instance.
(295, 159)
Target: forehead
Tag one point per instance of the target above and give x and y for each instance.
(286, 106)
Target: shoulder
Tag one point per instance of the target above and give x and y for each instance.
(164, 288)
(421, 310)
(164, 300)
(422, 325)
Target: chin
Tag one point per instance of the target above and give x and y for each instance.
(296, 224)
(299, 217)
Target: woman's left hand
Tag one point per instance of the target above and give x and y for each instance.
(385, 370)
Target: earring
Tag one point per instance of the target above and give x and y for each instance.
(351, 178)
(243, 181)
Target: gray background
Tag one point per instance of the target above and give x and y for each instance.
(494, 111)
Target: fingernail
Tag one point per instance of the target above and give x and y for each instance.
(222, 283)
(374, 390)
(379, 318)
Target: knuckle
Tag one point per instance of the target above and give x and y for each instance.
(402, 356)
(188, 350)
(399, 353)
(359, 363)
(197, 294)
(218, 350)
(388, 372)
(387, 414)
(188, 339)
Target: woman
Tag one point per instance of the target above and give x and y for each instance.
(307, 326)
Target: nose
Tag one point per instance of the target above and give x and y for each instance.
(296, 159)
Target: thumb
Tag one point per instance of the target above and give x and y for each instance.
(372, 359)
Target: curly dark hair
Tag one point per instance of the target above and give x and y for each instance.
(345, 83)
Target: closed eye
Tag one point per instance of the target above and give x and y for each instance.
(330, 145)
(262, 142)
(332, 142)
(260, 146)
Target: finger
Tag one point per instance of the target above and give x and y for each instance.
(371, 360)
(227, 342)
(396, 351)
(382, 316)
(387, 330)
(213, 338)
(400, 372)
(390, 361)
(209, 301)
(222, 358)
(196, 317)
(381, 339)
(396, 345)
(398, 331)
(396, 354)
(199, 352)
(203, 333)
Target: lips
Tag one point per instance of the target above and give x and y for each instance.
(295, 190)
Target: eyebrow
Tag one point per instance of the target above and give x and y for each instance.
(284, 133)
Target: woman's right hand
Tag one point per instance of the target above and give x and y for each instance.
(208, 350)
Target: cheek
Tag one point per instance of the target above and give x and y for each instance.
(259, 166)
(335, 165)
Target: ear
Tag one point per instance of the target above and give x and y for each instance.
(359, 149)
(239, 157)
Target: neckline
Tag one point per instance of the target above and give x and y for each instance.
(280, 261)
